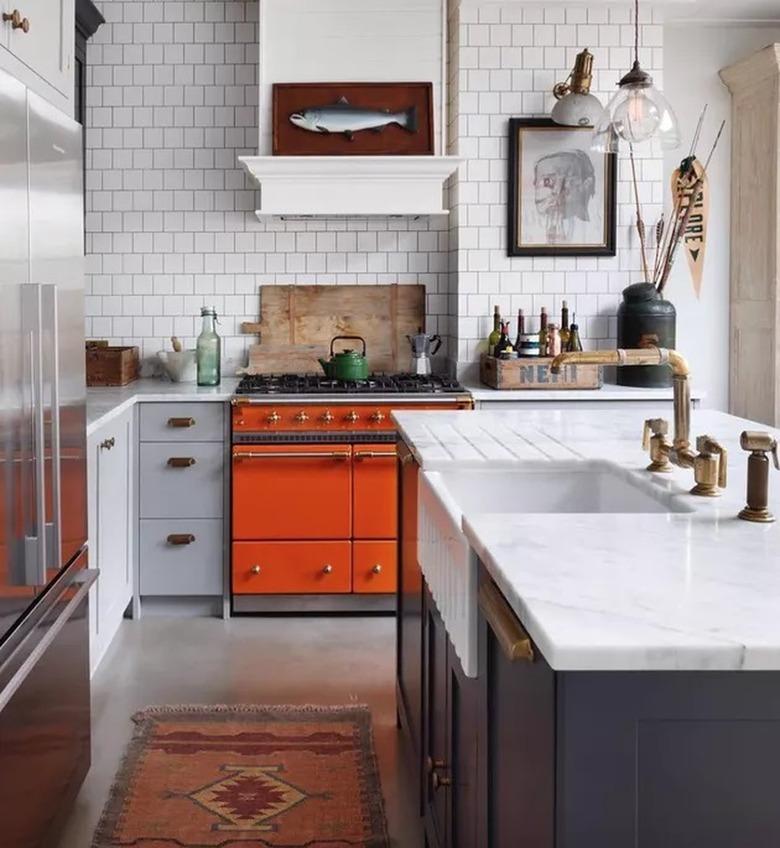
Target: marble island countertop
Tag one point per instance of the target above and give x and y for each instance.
(695, 591)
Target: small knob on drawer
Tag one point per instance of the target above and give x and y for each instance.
(17, 21)
(377, 569)
(327, 569)
(255, 569)
(274, 418)
(301, 417)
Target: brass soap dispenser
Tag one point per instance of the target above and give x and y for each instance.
(760, 444)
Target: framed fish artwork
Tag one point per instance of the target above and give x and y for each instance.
(562, 195)
(353, 119)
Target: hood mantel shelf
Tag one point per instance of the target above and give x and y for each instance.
(298, 186)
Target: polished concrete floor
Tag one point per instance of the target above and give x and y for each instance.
(249, 661)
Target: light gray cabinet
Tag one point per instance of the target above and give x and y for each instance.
(40, 52)
(182, 462)
(111, 504)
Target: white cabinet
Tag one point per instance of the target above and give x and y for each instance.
(111, 489)
(40, 53)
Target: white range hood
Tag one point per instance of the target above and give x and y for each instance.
(298, 186)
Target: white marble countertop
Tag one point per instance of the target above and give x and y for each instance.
(620, 592)
(608, 392)
(105, 404)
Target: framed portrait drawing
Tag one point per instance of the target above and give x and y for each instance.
(562, 195)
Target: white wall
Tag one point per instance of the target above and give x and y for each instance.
(694, 62)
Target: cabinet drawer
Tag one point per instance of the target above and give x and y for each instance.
(299, 568)
(375, 491)
(182, 422)
(374, 567)
(182, 480)
(292, 492)
(181, 557)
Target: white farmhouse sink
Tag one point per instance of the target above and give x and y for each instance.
(566, 487)
(449, 565)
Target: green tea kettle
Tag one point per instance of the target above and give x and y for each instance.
(347, 364)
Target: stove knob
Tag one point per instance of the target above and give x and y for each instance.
(301, 417)
(274, 418)
(352, 417)
(327, 417)
(377, 417)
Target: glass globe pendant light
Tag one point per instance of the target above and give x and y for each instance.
(638, 111)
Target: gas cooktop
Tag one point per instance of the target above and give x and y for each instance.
(376, 384)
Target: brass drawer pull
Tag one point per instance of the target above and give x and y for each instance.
(17, 21)
(181, 539)
(327, 569)
(107, 444)
(377, 569)
(181, 422)
(291, 455)
(514, 641)
(255, 569)
(439, 782)
(182, 461)
(374, 455)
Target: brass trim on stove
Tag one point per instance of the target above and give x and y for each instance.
(374, 454)
(290, 455)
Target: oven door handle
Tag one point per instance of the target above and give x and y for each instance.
(375, 455)
(291, 455)
(85, 580)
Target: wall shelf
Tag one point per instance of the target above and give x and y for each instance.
(325, 186)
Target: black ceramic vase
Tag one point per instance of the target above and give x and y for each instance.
(644, 319)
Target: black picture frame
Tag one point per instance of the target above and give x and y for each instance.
(606, 245)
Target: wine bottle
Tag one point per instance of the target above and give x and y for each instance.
(574, 337)
(496, 334)
(520, 329)
(564, 330)
(503, 340)
(543, 332)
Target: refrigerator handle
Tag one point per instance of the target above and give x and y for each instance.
(54, 528)
(39, 441)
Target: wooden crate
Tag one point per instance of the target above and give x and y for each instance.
(111, 366)
(534, 373)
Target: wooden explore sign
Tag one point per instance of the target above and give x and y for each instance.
(695, 234)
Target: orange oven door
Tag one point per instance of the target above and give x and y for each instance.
(375, 491)
(290, 492)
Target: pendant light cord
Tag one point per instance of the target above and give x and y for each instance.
(636, 30)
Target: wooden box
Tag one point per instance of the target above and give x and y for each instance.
(534, 373)
(111, 366)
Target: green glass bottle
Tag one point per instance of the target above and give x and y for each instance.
(209, 349)
(496, 334)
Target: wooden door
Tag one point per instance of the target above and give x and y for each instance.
(436, 760)
(291, 492)
(409, 618)
(517, 715)
(375, 492)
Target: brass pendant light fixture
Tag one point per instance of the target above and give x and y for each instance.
(638, 111)
(576, 106)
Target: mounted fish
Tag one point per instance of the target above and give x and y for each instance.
(370, 119)
(342, 117)
(694, 237)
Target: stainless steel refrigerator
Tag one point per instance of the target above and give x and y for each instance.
(44, 580)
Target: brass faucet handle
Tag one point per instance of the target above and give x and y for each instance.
(756, 441)
(708, 445)
(654, 427)
(710, 467)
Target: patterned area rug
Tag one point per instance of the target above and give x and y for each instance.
(247, 777)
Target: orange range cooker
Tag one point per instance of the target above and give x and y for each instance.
(315, 493)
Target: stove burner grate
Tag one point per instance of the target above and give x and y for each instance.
(376, 384)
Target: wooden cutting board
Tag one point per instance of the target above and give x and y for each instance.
(297, 324)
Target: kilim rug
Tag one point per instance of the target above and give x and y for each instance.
(247, 777)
